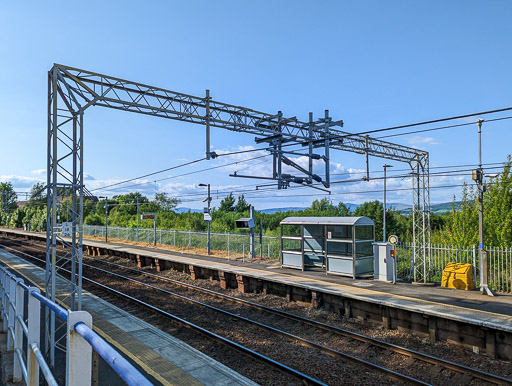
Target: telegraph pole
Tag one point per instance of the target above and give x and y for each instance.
(478, 177)
(137, 218)
(384, 218)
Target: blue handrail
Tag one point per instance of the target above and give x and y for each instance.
(59, 311)
(121, 366)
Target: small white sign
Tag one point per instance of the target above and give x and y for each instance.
(207, 217)
(67, 229)
(329, 235)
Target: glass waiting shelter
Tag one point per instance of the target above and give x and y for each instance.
(338, 245)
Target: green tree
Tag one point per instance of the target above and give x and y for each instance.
(498, 209)
(242, 205)
(166, 203)
(8, 196)
(322, 205)
(462, 227)
(227, 204)
(342, 210)
(37, 194)
(16, 218)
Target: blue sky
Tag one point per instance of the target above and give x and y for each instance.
(373, 64)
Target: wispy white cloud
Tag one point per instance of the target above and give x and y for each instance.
(418, 140)
(39, 171)
(20, 182)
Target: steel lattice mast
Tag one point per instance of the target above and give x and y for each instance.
(72, 91)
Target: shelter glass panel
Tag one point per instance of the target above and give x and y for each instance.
(364, 232)
(292, 245)
(291, 230)
(316, 244)
(314, 230)
(339, 249)
(364, 249)
(339, 232)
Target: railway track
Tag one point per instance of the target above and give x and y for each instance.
(300, 332)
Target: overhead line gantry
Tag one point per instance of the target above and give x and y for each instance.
(71, 91)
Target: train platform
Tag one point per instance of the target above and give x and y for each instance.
(479, 322)
(165, 359)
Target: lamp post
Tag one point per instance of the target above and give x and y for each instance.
(137, 217)
(478, 176)
(208, 199)
(384, 217)
(106, 218)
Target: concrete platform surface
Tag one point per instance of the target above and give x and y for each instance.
(466, 306)
(165, 358)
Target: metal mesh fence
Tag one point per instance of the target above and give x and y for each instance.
(233, 244)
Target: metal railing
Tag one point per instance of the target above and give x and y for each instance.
(233, 244)
(25, 326)
(499, 262)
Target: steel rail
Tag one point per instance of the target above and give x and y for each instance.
(304, 342)
(337, 330)
(329, 328)
(280, 366)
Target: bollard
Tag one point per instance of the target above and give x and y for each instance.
(79, 351)
(33, 324)
(19, 305)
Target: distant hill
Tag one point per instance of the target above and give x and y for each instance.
(402, 208)
(285, 209)
(185, 210)
(441, 208)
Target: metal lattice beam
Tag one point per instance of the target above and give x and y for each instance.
(106, 91)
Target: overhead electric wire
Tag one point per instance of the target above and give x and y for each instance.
(267, 148)
(456, 172)
(176, 167)
(347, 135)
(440, 128)
(189, 173)
(150, 174)
(430, 122)
(260, 196)
(253, 193)
(193, 172)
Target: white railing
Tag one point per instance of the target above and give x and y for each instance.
(234, 244)
(499, 262)
(21, 325)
